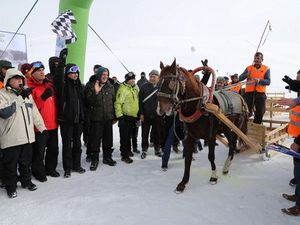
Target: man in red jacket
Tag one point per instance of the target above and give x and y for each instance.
(45, 99)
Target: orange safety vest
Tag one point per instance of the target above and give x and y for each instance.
(294, 125)
(255, 73)
(236, 88)
(1, 85)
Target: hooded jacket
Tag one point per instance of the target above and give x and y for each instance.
(47, 108)
(18, 117)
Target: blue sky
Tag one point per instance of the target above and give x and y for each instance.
(143, 33)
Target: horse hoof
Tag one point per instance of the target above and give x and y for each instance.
(179, 189)
(225, 172)
(213, 180)
(178, 192)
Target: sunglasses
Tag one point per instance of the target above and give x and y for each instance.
(38, 64)
(73, 69)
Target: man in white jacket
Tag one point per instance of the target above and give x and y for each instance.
(18, 116)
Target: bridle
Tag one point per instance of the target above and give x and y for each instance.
(178, 88)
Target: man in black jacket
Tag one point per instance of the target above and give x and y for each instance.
(149, 118)
(70, 113)
(100, 96)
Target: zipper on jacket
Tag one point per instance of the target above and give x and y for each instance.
(25, 124)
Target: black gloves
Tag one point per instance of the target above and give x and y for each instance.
(63, 55)
(294, 85)
(25, 92)
(46, 94)
(206, 74)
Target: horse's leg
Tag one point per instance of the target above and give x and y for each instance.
(188, 148)
(232, 139)
(211, 157)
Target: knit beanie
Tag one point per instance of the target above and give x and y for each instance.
(100, 71)
(154, 72)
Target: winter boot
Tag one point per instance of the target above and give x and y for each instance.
(127, 160)
(292, 198)
(30, 186)
(94, 165)
(67, 174)
(79, 170)
(135, 150)
(109, 161)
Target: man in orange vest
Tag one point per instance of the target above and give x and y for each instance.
(258, 77)
(234, 81)
(294, 130)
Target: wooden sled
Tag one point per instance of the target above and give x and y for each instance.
(214, 109)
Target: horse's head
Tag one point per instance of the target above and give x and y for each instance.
(171, 88)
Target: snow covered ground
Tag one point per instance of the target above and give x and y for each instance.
(141, 194)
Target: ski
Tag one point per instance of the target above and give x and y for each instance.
(282, 149)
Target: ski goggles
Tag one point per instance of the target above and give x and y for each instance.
(73, 69)
(38, 64)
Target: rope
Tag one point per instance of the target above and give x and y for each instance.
(18, 28)
(108, 48)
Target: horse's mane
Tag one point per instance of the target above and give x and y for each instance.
(192, 84)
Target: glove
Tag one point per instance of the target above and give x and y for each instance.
(206, 74)
(294, 85)
(63, 55)
(26, 92)
(46, 94)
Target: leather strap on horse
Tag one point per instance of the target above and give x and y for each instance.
(190, 119)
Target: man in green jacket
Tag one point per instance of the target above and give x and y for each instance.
(126, 109)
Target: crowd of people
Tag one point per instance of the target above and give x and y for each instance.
(34, 105)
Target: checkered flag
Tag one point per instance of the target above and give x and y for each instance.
(62, 26)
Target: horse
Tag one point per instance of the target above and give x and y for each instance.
(179, 91)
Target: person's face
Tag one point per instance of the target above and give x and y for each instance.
(104, 77)
(15, 82)
(234, 79)
(131, 82)
(258, 60)
(39, 75)
(298, 76)
(73, 76)
(153, 79)
(220, 84)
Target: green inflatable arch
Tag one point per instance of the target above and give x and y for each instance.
(81, 10)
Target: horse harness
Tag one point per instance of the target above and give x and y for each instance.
(177, 86)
